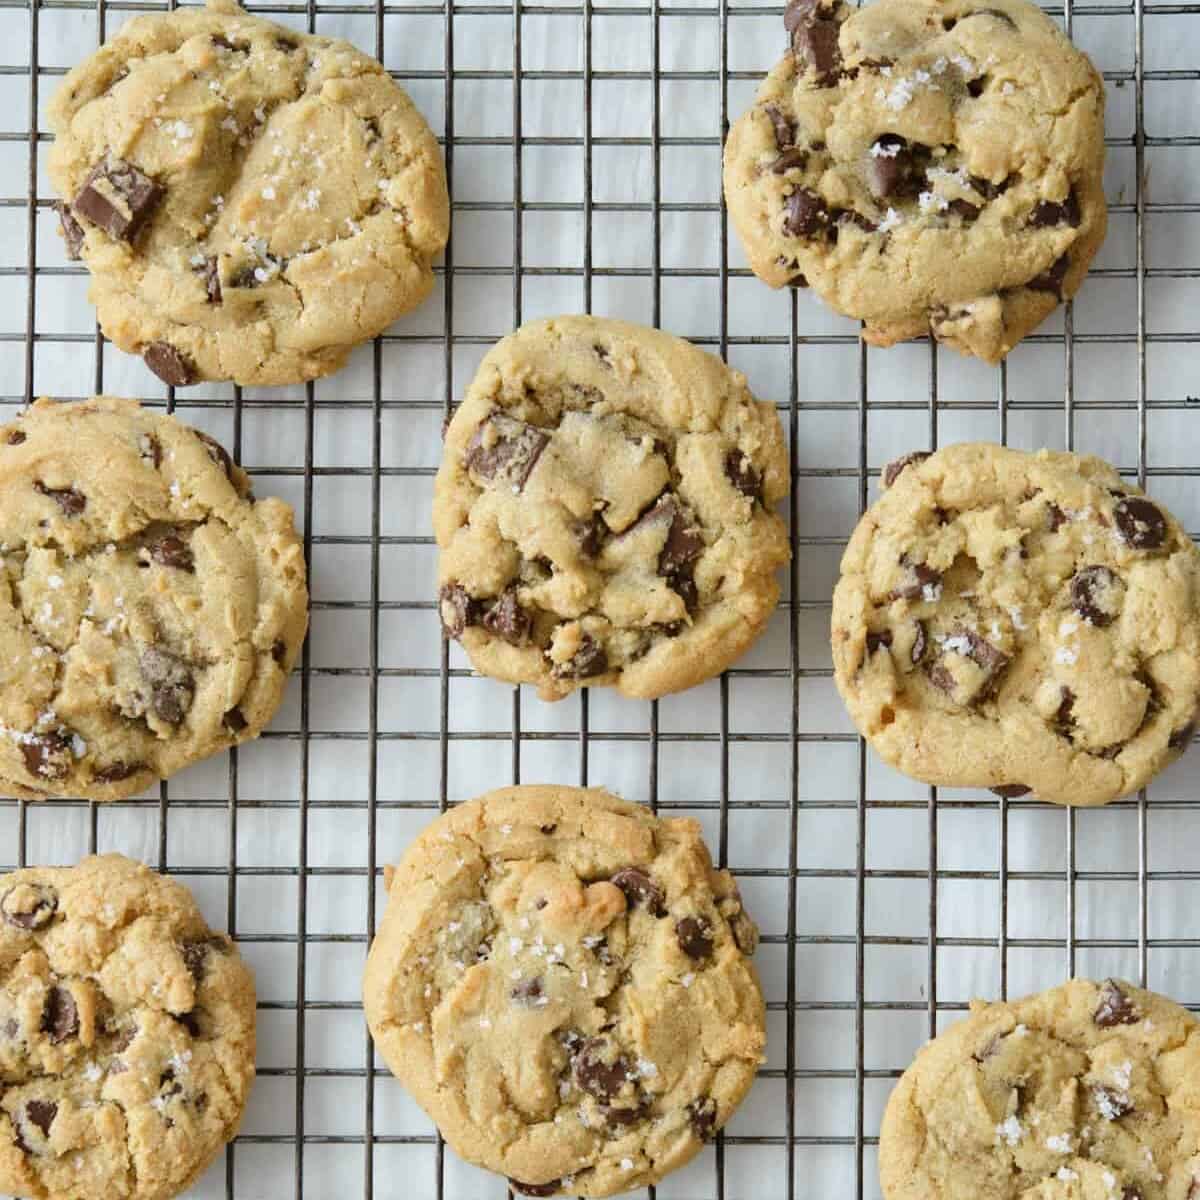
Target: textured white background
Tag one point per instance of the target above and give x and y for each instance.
(287, 798)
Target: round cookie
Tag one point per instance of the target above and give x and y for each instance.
(1023, 622)
(126, 1034)
(251, 202)
(563, 982)
(150, 608)
(1084, 1092)
(605, 511)
(926, 166)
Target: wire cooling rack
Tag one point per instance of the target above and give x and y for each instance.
(583, 143)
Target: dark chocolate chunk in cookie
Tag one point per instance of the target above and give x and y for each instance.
(30, 906)
(794, 159)
(921, 582)
(784, 127)
(599, 1069)
(741, 472)
(878, 641)
(1140, 523)
(72, 232)
(805, 215)
(505, 450)
(694, 935)
(174, 552)
(1096, 595)
(892, 471)
(60, 1016)
(639, 888)
(507, 619)
(172, 684)
(47, 755)
(114, 772)
(68, 499)
(1051, 280)
(1049, 212)
(234, 720)
(535, 1189)
(589, 660)
(891, 167)
(457, 609)
(702, 1114)
(1011, 791)
(216, 452)
(1114, 1007)
(41, 1113)
(172, 366)
(118, 198)
(814, 38)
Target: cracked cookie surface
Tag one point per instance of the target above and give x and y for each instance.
(925, 166)
(126, 1034)
(150, 608)
(563, 982)
(605, 511)
(1022, 622)
(251, 202)
(1083, 1092)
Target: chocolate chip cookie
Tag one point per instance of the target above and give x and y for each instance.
(1084, 1092)
(563, 982)
(1022, 622)
(150, 608)
(605, 511)
(925, 166)
(251, 202)
(126, 1034)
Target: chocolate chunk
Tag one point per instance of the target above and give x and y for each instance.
(590, 534)
(1049, 212)
(622, 1117)
(172, 684)
(1140, 523)
(892, 471)
(196, 954)
(190, 1021)
(1052, 279)
(640, 888)
(279, 650)
(150, 449)
(921, 576)
(964, 209)
(702, 1113)
(117, 197)
(784, 127)
(72, 231)
(212, 279)
(891, 169)
(505, 450)
(528, 992)
(46, 755)
(41, 1113)
(876, 641)
(990, 661)
(170, 365)
(69, 500)
(234, 721)
(1055, 518)
(1096, 595)
(219, 39)
(987, 189)
(244, 276)
(535, 1189)
(814, 39)
(216, 452)
(596, 1076)
(741, 472)
(847, 216)
(1112, 1105)
(1114, 1007)
(1180, 739)
(60, 1018)
(920, 643)
(15, 437)
(694, 935)
(806, 215)
(124, 1038)
(457, 609)
(505, 618)
(1010, 791)
(790, 160)
(172, 551)
(29, 906)
(684, 542)
(116, 771)
(975, 87)
(589, 660)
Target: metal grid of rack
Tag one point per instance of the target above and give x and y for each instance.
(582, 141)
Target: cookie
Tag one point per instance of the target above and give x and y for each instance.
(150, 608)
(606, 511)
(564, 984)
(925, 166)
(1022, 622)
(1084, 1092)
(126, 1034)
(251, 202)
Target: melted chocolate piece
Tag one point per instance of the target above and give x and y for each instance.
(921, 577)
(1180, 739)
(1049, 212)
(535, 1189)
(814, 39)
(964, 209)
(589, 660)
(591, 534)
(741, 472)
(639, 888)
(891, 167)
(195, 955)
(212, 280)
(34, 909)
(46, 755)
(807, 215)
(1010, 791)
(505, 618)
(528, 992)
(1140, 523)
(784, 127)
(790, 160)
(457, 610)
(920, 643)
(69, 500)
(877, 641)
(694, 935)
(505, 450)
(1095, 595)
(172, 366)
(702, 1114)
(15, 437)
(72, 232)
(1055, 517)
(172, 684)
(172, 551)
(60, 1018)
(234, 720)
(1052, 279)
(622, 1117)
(216, 452)
(118, 198)
(892, 471)
(116, 771)
(1114, 1007)
(41, 1113)
(598, 1078)
(279, 650)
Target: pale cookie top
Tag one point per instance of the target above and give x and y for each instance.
(563, 982)
(251, 202)
(1084, 1092)
(1020, 622)
(150, 608)
(126, 1034)
(605, 511)
(926, 166)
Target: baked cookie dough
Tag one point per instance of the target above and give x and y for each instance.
(1022, 622)
(563, 982)
(606, 511)
(150, 608)
(126, 1034)
(925, 166)
(1084, 1092)
(251, 202)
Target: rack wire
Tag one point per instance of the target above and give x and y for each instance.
(885, 905)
